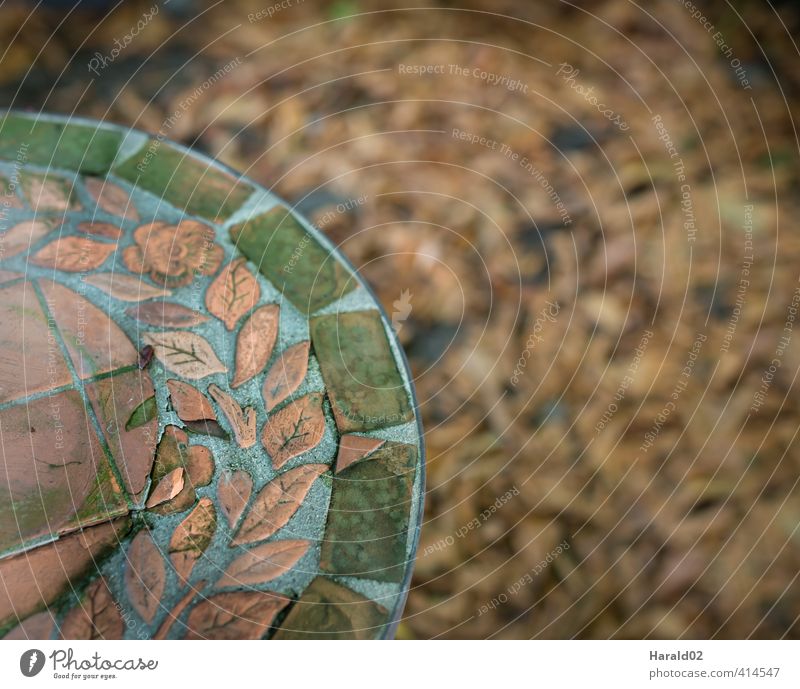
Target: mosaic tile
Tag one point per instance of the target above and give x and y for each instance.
(184, 181)
(294, 261)
(327, 610)
(56, 474)
(74, 146)
(368, 519)
(364, 384)
(165, 411)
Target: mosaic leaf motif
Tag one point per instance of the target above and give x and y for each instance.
(185, 353)
(255, 343)
(73, 254)
(38, 626)
(241, 419)
(233, 492)
(49, 193)
(96, 617)
(286, 375)
(125, 287)
(145, 575)
(112, 198)
(145, 412)
(8, 196)
(196, 460)
(175, 613)
(277, 502)
(353, 448)
(167, 488)
(101, 229)
(200, 465)
(194, 409)
(234, 615)
(23, 236)
(233, 293)
(166, 314)
(263, 563)
(295, 429)
(191, 538)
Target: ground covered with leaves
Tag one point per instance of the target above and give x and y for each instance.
(580, 219)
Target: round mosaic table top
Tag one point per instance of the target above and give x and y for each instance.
(208, 429)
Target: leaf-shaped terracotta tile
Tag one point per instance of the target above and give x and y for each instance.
(167, 488)
(175, 613)
(144, 413)
(233, 293)
(8, 196)
(295, 429)
(145, 575)
(96, 617)
(185, 353)
(194, 409)
(275, 504)
(241, 420)
(233, 492)
(101, 229)
(39, 626)
(166, 314)
(255, 343)
(188, 402)
(112, 198)
(9, 275)
(23, 236)
(73, 254)
(234, 615)
(49, 193)
(353, 448)
(263, 563)
(286, 375)
(192, 536)
(125, 287)
(200, 465)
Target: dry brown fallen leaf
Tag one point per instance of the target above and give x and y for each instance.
(233, 293)
(145, 575)
(73, 254)
(233, 493)
(277, 502)
(241, 420)
(295, 429)
(286, 375)
(255, 343)
(191, 537)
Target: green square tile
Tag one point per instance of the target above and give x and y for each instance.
(367, 529)
(198, 187)
(364, 384)
(327, 610)
(294, 261)
(82, 148)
